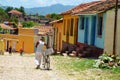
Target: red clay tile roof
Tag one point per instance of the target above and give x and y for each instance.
(81, 7)
(44, 29)
(15, 12)
(3, 26)
(101, 7)
(55, 21)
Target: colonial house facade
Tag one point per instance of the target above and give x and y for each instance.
(58, 25)
(70, 25)
(96, 26)
(26, 37)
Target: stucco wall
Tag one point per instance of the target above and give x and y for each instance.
(81, 32)
(118, 34)
(110, 32)
(27, 42)
(58, 37)
(2, 45)
(26, 31)
(71, 38)
(10, 38)
(25, 39)
(99, 41)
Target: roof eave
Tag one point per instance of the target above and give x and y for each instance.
(89, 13)
(85, 14)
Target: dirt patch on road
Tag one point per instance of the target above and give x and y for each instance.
(16, 67)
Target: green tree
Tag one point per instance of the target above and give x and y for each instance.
(14, 19)
(41, 16)
(8, 9)
(17, 9)
(21, 9)
(28, 24)
(3, 15)
(54, 16)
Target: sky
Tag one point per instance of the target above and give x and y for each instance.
(40, 3)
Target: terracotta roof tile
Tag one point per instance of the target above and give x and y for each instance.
(15, 12)
(81, 7)
(3, 26)
(55, 21)
(98, 8)
(44, 29)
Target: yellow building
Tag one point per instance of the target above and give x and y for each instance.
(58, 24)
(70, 22)
(24, 39)
(69, 29)
(27, 39)
(1, 46)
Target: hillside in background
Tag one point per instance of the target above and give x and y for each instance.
(57, 8)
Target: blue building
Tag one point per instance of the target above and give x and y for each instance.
(92, 24)
(91, 29)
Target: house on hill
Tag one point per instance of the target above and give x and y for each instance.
(41, 21)
(17, 14)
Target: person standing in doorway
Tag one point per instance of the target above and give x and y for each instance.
(39, 52)
(10, 50)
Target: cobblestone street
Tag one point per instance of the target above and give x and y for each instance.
(16, 67)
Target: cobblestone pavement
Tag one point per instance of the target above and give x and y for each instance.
(16, 67)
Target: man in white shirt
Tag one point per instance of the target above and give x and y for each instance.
(39, 52)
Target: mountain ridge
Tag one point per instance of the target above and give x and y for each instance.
(56, 8)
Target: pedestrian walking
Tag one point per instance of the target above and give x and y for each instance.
(21, 51)
(40, 45)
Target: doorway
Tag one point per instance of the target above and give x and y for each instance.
(86, 30)
(93, 31)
